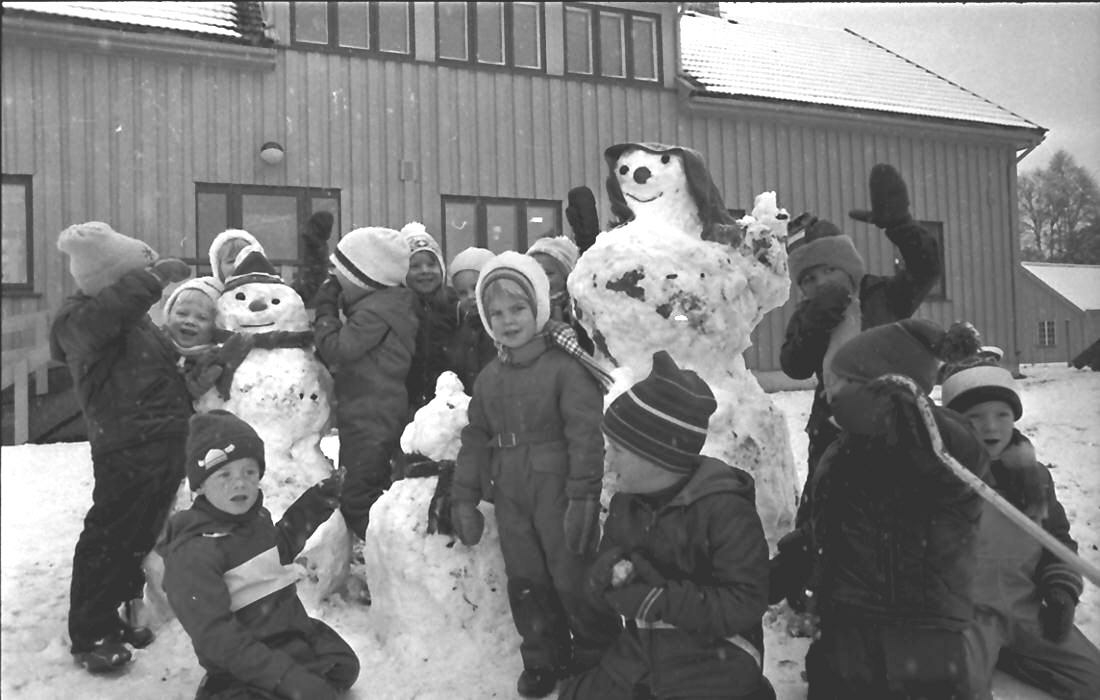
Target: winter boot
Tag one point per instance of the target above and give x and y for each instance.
(137, 636)
(537, 682)
(107, 654)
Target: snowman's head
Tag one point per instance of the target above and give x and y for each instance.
(256, 300)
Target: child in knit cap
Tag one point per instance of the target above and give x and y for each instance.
(229, 577)
(683, 557)
(369, 357)
(1025, 596)
(136, 406)
(838, 301)
(558, 256)
(225, 251)
(471, 348)
(892, 530)
(533, 447)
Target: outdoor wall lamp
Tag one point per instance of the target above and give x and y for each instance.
(272, 153)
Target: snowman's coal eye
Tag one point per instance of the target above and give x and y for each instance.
(274, 301)
(623, 170)
(665, 159)
(240, 296)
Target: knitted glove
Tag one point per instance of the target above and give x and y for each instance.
(643, 599)
(230, 356)
(824, 312)
(169, 270)
(300, 684)
(468, 522)
(582, 524)
(1056, 613)
(582, 216)
(327, 300)
(889, 199)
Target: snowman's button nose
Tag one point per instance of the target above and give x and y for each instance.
(257, 305)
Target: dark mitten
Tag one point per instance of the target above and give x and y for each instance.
(169, 270)
(789, 570)
(599, 577)
(328, 489)
(318, 228)
(201, 378)
(300, 684)
(824, 311)
(468, 522)
(583, 217)
(439, 509)
(638, 601)
(230, 356)
(326, 302)
(1056, 613)
(889, 199)
(582, 524)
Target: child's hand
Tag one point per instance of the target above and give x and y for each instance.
(467, 521)
(1056, 613)
(889, 199)
(582, 524)
(169, 270)
(330, 488)
(600, 573)
(326, 301)
(200, 379)
(825, 310)
(643, 599)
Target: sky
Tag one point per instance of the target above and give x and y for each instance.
(1038, 60)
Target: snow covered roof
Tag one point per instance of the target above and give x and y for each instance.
(223, 20)
(1079, 284)
(822, 66)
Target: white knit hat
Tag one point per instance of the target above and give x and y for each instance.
(560, 248)
(525, 271)
(372, 257)
(221, 240)
(208, 286)
(99, 255)
(470, 260)
(977, 384)
(419, 239)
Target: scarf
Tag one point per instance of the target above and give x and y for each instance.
(562, 336)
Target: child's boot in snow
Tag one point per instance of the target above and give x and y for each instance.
(107, 654)
(536, 682)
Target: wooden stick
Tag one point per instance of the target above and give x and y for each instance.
(987, 492)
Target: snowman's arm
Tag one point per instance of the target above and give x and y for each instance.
(339, 344)
(92, 322)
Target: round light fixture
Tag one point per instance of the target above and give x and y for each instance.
(272, 153)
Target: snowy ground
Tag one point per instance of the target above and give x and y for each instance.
(459, 650)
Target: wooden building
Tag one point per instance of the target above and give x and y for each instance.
(1058, 309)
(476, 119)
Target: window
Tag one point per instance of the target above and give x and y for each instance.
(275, 215)
(939, 290)
(18, 234)
(491, 33)
(496, 223)
(1046, 334)
(617, 44)
(380, 27)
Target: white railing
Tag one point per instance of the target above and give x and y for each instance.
(19, 362)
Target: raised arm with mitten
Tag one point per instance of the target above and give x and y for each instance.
(307, 513)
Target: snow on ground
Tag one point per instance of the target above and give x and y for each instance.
(462, 647)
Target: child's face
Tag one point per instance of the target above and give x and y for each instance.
(424, 276)
(465, 282)
(511, 319)
(993, 422)
(818, 277)
(235, 487)
(553, 273)
(228, 255)
(191, 322)
(636, 473)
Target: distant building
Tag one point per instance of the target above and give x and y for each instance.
(1058, 310)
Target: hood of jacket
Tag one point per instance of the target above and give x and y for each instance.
(715, 476)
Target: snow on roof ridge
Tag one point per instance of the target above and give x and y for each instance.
(1076, 283)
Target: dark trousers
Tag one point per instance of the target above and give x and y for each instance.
(598, 684)
(368, 476)
(134, 490)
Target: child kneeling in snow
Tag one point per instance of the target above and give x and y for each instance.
(683, 557)
(893, 529)
(533, 447)
(227, 577)
(1025, 596)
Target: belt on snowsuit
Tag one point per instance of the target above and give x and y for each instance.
(509, 440)
(736, 639)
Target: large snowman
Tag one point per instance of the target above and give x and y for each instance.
(680, 274)
(284, 392)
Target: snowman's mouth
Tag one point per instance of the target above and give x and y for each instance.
(643, 201)
(257, 325)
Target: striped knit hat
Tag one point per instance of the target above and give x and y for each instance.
(812, 241)
(216, 438)
(372, 258)
(524, 271)
(418, 238)
(664, 417)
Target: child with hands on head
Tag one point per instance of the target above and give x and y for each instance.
(683, 557)
(533, 447)
(229, 577)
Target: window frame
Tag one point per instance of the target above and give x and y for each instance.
(27, 181)
(509, 27)
(935, 229)
(1043, 335)
(481, 232)
(333, 44)
(595, 48)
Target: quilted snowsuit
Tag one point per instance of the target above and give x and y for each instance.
(533, 442)
(136, 406)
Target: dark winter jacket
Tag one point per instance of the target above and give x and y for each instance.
(895, 530)
(470, 350)
(708, 542)
(123, 367)
(437, 316)
(228, 581)
(369, 356)
(882, 300)
(543, 408)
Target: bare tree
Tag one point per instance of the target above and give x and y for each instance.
(1059, 208)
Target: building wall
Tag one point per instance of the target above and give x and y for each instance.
(123, 139)
(1074, 329)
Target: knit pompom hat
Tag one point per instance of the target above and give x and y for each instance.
(372, 257)
(223, 239)
(664, 417)
(217, 438)
(524, 271)
(977, 380)
(470, 260)
(812, 241)
(560, 248)
(419, 239)
(210, 287)
(99, 255)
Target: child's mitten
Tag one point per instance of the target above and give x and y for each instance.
(230, 356)
(645, 599)
(1056, 613)
(169, 270)
(201, 378)
(582, 524)
(599, 574)
(468, 522)
(789, 570)
(824, 311)
(326, 302)
(329, 488)
(583, 217)
(889, 199)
